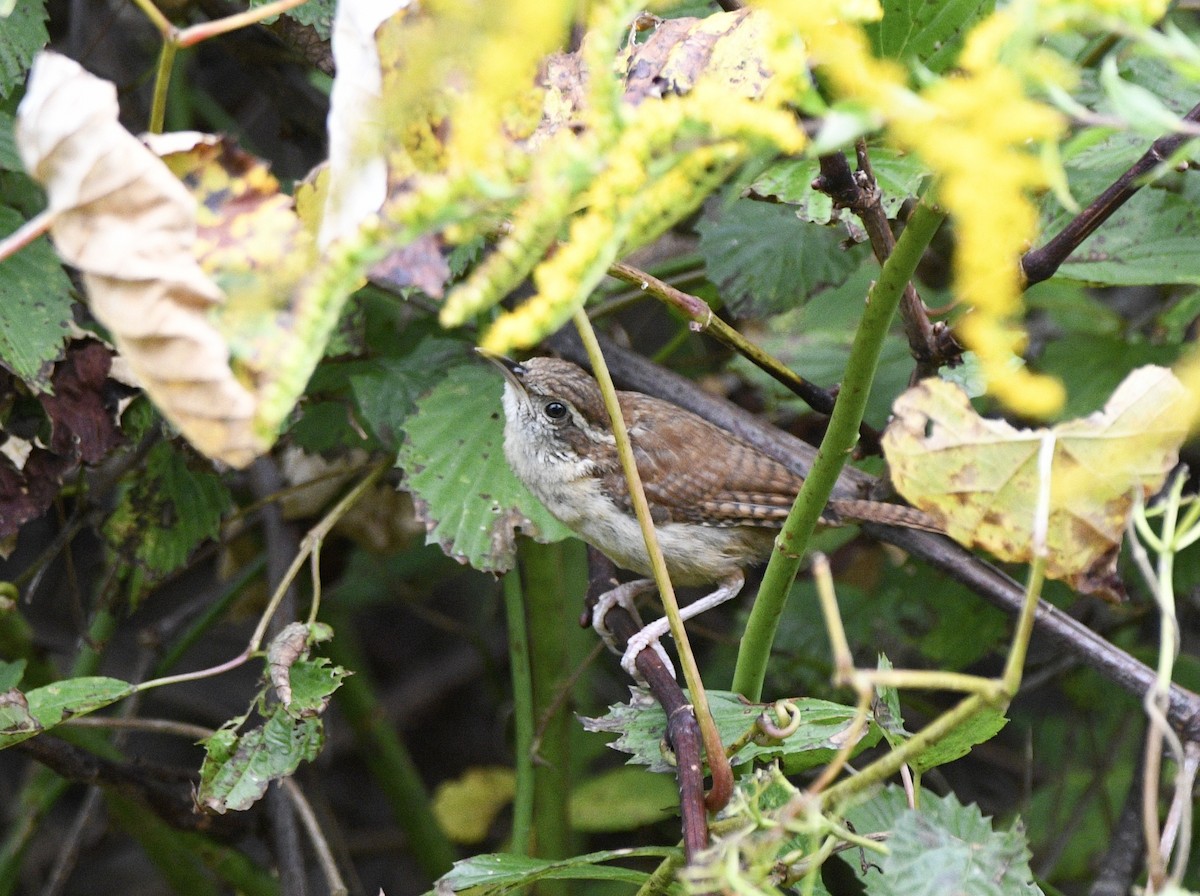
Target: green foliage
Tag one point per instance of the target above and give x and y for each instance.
(924, 34)
(978, 729)
(454, 465)
(24, 715)
(766, 260)
(238, 767)
(9, 160)
(496, 874)
(945, 847)
(815, 339)
(35, 306)
(316, 13)
(790, 181)
(623, 799)
(823, 729)
(22, 34)
(167, 509)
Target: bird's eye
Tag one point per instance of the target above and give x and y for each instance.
(555, 410)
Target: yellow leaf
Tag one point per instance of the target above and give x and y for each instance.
(466, 807)
(979, 478)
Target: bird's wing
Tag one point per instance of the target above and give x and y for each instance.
(694, 471)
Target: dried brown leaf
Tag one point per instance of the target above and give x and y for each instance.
(129, 225)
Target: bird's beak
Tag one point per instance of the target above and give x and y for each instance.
(512, 370)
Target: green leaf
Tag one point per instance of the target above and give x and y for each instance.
(316, 13)
(504, 872)
(23, 716)
(1150, 240)
(313, 683)
(887, 708)
(22, 34)
(35, 306)
(237, 769)
(11, 673)
(930, 34)
(454, 465)
(945, 847)
(622, 799)
(815, 341)
(1142, 109)
(766, 260)
(978, 729)
(10, 160)
(789, 181)
(386, 388)
(171, 505)
(397, 360)
(822, 731)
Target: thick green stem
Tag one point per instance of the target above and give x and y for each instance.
(551, 615)
(522, 687)
(162, 85)
(835, 447)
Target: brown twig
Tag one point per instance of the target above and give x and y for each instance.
(683, 733)
(703, 320)
(932, 345)
(1040, 264)
(173, 804)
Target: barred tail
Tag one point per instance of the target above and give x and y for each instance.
(888, 514)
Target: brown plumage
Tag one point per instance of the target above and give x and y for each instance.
(716, 501)
(692, 470)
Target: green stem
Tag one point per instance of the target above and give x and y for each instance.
(839, 439)
(522, 686)
(718, 762)
(548, 609)
(162, 85)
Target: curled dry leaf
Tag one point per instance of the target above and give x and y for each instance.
(979, 477)
(680, 51)
(216, 296)
(128, 224)
(288, 647)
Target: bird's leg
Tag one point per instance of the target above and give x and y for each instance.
(624, 596)
(727, 589)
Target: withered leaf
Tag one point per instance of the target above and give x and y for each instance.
(128, 224)
(83, 427)
(980, 477)
(217, 297)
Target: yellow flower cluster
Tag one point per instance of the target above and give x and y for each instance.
(623, 174)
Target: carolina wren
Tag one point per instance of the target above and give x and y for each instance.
(715, 500)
